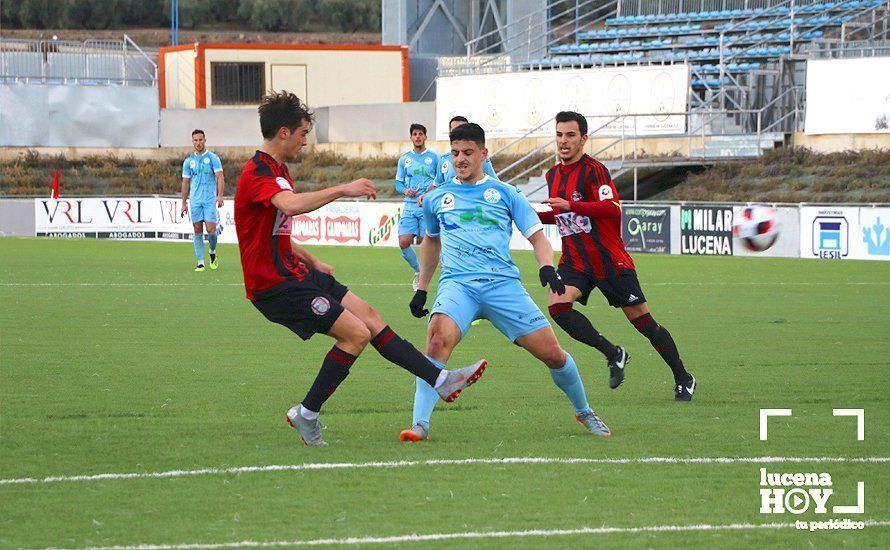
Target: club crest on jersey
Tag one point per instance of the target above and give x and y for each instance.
(576, 196)
(407, 162)
(428, 160)
(605, 193)
(284, 184)
(206, 160)
(447, 202)
(491, 195)
(320, 305)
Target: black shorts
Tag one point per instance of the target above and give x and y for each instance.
(621, 291)
(306, 307)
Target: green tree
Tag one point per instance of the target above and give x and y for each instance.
(351, 15)
(195, 12)
(41, 14)
(276, 15)
(9, 14)
(226, 10)
(94, 14)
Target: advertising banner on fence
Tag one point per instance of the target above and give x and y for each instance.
(706, 230)
(646, 228)
(834, 106)
(826, 232)
(787, 244)
(513, 104)
(837, 233)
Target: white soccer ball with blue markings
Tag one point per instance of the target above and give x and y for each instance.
(757, 227)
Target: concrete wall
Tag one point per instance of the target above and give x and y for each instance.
(223, 128)
(36, 115)
(17, 217)
(372, 123)
(832, 143)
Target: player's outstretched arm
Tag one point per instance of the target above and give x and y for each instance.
(544, 256)
(294, 204)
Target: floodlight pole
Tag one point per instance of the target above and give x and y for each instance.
(174, 22)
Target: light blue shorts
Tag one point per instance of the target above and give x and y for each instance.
(203, 212)
(504, 302)
(411, 222)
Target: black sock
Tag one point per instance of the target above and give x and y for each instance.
(401, 352)
(578, 327)
(334, 370)
(664, 344)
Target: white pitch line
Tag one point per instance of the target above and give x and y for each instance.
(542, 533)
(437, 462)
(366, 284)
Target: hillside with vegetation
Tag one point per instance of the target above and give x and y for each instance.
(784, 175)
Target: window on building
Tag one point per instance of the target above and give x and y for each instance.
(237, 83)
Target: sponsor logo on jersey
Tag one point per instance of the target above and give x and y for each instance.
(492, 195)
(605, 193)
(283, 183)
(320, 305)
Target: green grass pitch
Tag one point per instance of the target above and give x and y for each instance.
(115, 357)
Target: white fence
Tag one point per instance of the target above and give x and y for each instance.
(816, 232)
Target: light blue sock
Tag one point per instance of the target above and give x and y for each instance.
(199, 247)
(569, 381)
(212, 238)
(411, 257)
(425, 398)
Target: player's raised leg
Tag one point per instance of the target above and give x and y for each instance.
(663, 342)
(446, 384)
(579, 327)
(544, 346)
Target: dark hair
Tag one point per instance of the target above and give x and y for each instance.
(196, 131)
(458, 117)
(568, 116)
(469, 131)
(417, 126)
(282, 109)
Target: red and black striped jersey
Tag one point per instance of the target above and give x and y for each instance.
(591, 229)
(267, 258)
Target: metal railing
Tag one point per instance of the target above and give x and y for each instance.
(751, 126)
(98, 62)
(658, 7)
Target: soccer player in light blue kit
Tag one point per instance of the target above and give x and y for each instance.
(415, 173)
(469, 223)
(445, 169)
(202, 193)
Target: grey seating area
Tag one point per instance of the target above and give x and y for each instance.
(727, 42)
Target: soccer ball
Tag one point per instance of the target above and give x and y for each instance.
(757, 227)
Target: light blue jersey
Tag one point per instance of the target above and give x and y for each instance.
(474, 223)
(416, 171)
(201, 171)
(445, 170)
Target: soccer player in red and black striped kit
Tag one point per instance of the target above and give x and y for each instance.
(586, 210)
(294, 289)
